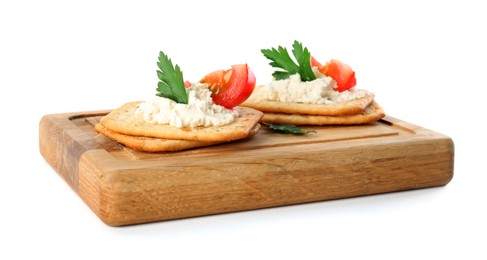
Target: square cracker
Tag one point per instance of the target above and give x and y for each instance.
(124, 121)
(371, 114)
(150, 144)
(350, 107)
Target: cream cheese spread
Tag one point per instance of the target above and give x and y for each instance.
(318, 91)
(200, 110)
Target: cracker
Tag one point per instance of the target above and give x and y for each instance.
(124, 121)
(350, 107)
(150, 144)
(371, 114)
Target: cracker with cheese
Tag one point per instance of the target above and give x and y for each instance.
(125, 121)
(308, 93)
(343, 108)
(186, 115)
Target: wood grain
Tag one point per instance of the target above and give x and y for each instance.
(123, 186)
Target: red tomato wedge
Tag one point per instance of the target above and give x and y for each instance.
(217, 80)
(341, 73)
(314, 62)
(231, 87)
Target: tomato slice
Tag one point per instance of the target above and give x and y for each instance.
(217, 80)
(314, 62)
(343, 74)
(231, 87)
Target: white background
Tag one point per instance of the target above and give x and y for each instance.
(424, 60)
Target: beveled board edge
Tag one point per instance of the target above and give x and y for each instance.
(62, 143)
(140, 193)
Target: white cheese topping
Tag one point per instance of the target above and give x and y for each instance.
(318, 91)
(200, 110)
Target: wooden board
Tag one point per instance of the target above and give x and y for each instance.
(123, 186)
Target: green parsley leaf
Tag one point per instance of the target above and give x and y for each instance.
(303, 57)
(171, 84)
(280, 59)
(288, 129)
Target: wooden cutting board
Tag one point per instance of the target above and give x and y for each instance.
(123, 186)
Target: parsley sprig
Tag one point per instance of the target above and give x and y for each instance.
(280, 59)
(171, 84)
(288, 129)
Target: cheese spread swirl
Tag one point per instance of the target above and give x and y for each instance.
(199, 112)
(318, 91)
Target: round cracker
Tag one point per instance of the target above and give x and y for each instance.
(150, 144)
(350, 107)
(124, 121)
(371, 114)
